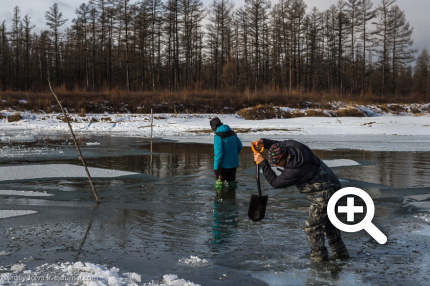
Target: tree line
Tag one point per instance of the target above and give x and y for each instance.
(354, 48)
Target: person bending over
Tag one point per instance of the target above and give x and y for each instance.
(312, 177)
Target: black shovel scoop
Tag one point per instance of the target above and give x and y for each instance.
(258, 203)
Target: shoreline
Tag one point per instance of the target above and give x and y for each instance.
(379, 133)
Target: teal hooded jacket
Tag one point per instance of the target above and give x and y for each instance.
(227, 147)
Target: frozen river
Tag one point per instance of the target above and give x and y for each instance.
(160, 215)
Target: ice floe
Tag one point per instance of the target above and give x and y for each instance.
(23, 193)
(28, 172)
(14, 213)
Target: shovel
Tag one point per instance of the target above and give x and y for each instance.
(258, 203)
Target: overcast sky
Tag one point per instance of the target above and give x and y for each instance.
(417, 13)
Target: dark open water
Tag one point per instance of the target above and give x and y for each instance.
(147, 223)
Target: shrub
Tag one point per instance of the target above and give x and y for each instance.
(297, 113)
(316, 113)
(349, 111)
(14, 117)
(396, 108)
(260, 112)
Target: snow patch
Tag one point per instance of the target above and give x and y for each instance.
(341, 163)
(194, 260)
(24, 193)
(171, 280)
(14, 213)
(79, 273)
(56, 171)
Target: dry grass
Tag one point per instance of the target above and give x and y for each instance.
(397, 109)
(348, 111)
(248, 104)
(195, 101)
(262, 112)
(336, 110)
(14, 117)
(316, 113)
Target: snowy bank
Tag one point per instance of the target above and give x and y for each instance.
(385, 128)
(191, 124)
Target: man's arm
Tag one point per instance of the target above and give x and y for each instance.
(218, 152)
(285, 179)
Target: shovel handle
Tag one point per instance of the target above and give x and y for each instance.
(254, 148)
(258, 180)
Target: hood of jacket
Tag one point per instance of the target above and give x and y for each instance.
(223, 128)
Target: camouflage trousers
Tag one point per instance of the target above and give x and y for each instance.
(318, 226)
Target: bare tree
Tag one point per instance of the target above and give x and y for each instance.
(297, 15)
(366, 15)
(341, 28)
(402, 53)
(28, 27)
(154, 8)
(421, 85)
(313, 44)
(5, 58)
(80, 30)
(191, 25)
(353, 12)
(383, 40)
(257, 11)
(16, 41)
(54, 20)
(173, 12)
(219, 33)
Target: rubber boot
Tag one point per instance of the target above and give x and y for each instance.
(232, 186)
(338, 249)
(219, 185)
(320, 255)
(341, 253)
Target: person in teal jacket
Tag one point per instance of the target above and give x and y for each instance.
(227, 147)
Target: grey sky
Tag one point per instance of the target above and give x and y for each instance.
(416, 13)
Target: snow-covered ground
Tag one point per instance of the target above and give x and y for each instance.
(191, 124)
(387, 130)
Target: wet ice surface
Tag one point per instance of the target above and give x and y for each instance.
(168, 220)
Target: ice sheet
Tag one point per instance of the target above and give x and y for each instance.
(29, 172)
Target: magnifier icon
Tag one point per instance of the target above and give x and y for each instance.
(365, 224)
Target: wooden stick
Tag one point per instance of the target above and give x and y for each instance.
(76, 144)
(152, 120)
